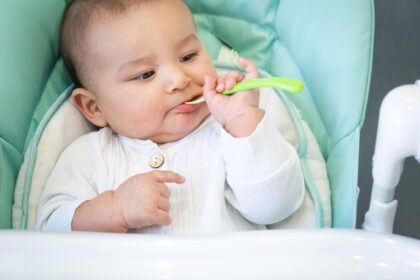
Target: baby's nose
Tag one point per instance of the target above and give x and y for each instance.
(176, 79)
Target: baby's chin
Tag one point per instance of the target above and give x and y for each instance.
(181, 129)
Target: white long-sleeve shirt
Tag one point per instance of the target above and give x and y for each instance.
(231, 183)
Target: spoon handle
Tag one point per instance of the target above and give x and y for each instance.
(286, 84)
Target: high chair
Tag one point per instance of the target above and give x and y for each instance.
(325, 44)
(396, 140)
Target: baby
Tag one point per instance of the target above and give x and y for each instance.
(159, 164)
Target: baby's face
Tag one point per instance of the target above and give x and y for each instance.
(147, 63)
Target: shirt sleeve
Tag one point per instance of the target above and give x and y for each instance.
(71, 182)
(264, 174)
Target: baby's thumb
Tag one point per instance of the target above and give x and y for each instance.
(209, 88)
(168, 177)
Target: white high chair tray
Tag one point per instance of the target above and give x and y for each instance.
(285, 254)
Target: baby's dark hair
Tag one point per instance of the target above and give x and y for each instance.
(78, 16)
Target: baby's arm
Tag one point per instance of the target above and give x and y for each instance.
(78, 196)
(141, 201)
(263, 169)
(264, 175)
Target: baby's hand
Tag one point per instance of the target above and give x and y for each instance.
(144, 198)
(238, 113)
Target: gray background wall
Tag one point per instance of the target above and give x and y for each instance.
(396, 61)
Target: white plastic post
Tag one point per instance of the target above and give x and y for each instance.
(398, 137)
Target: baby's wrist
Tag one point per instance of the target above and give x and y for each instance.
(243, 125)
(118, 214)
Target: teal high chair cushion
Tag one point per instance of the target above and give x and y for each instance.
(28, 58)
(325, 44)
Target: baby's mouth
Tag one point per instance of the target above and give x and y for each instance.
(196, 100)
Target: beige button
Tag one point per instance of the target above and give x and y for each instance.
(156, 160)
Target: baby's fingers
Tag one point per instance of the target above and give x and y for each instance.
(164, 190)
(251, 70)
(229, 80)
(162, 218)
(209, 90)
(220, 84)
(163, 204)
(167, 177)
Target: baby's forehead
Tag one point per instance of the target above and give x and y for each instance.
(152, 10)
(112, 33)
(140, 19)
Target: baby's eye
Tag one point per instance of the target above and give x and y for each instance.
(188, 57)
(146, 75)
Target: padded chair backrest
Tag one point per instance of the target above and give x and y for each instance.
(28, 63)
(326, 44)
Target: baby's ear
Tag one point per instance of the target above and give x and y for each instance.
(85, 101)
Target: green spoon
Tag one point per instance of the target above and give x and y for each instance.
(287, 84)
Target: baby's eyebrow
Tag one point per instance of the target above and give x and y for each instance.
(131, 62)
(187, 39)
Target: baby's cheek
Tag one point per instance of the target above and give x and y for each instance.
(212, 71)
(206, 69)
